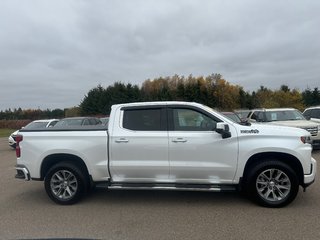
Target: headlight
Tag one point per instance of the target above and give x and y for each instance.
(306, 139)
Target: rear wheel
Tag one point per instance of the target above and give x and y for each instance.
(65, 183)
(272, 184)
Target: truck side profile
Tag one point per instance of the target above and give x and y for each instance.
(169, 146)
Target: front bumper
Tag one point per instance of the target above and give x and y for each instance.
(22, 173)
(309, 178)
(316, 144)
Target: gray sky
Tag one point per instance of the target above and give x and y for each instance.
(53, 52)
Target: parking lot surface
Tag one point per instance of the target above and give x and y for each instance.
(27, 213)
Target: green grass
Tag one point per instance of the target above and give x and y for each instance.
(5, 132)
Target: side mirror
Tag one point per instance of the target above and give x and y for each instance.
(307, 117)
(245, 122)
(223, 129)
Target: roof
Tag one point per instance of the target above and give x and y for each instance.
(157, 103)
(80, 118)
(313, 107)
(228, 113)
(45, 120)
(274, 109)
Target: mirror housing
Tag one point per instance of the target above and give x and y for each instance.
(223, 129)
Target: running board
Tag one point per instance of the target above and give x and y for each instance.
(176, 187)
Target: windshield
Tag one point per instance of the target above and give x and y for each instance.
(287, 115)
(242, 113)
(232, 116)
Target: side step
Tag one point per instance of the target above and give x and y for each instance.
(176, 187)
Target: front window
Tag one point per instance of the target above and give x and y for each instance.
(315, 113)
(190, 120)
(307, 113)
(258, 116)
(52, 123)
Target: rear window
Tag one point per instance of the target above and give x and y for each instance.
(142, 119)
(36, 125)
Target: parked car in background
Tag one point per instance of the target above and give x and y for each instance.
(242, 113)
(231, 115)
(286, 117)
(313, 114)
(37, 124)
(104, 120)
(235, 117)
(78, 121)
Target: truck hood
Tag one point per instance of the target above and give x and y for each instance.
(294, 123)
(271, 130)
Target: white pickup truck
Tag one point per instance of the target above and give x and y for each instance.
(170, 146)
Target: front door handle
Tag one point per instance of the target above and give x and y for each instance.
(122, 140)
(179, 140)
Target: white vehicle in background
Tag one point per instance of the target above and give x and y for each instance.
(104, 121)
(37, 124)
(313, 114)
(289, 117)
(242, 113)
(77, 122)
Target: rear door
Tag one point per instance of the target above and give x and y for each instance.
(139, 145)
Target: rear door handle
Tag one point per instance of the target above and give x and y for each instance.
(122, 140)
(179, 140)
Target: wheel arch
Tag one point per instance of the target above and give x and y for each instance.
(286, 158)
(53, 159)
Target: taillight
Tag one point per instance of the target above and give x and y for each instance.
(19, 139)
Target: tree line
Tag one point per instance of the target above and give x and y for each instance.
(212, 90)
(31, 114)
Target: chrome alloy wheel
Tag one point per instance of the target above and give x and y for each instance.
(273, 185)
(64, 184)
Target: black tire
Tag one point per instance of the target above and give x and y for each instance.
(65, 183)
(272, 184)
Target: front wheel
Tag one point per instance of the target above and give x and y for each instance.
(65, 183)
(272, 184)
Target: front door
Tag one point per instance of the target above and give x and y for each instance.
(198, 154)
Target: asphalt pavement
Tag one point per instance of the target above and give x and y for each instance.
(27, 213)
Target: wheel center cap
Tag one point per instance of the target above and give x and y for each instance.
(272, 184)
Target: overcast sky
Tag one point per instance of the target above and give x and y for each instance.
(53, 52)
